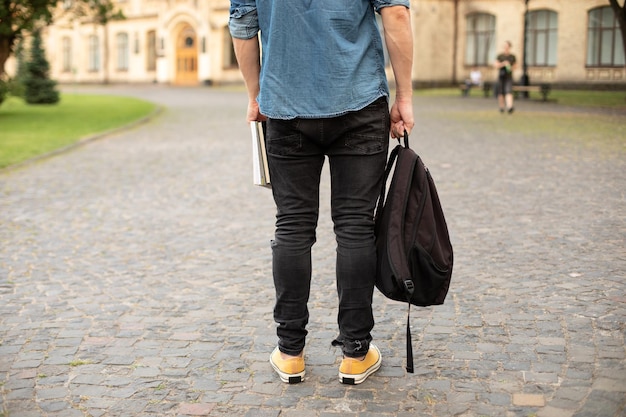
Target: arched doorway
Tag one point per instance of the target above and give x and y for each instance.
(186, 56)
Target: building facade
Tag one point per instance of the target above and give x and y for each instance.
(183, 42)
(567, 42)
(186, 42)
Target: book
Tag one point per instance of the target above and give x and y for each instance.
(260, 168)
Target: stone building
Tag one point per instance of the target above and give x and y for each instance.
(186, 42)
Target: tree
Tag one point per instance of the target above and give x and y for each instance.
(18, 17)
(38, 87)
(620, 15)
(4, 89)
(16, 85)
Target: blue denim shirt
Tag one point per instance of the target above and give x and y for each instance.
(320, 58)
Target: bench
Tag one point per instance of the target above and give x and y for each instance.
(543, 89)
(465, 89)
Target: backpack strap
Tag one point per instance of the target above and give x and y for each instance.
(392, 159)
(409, 343)
(406, 165)
(383, 191)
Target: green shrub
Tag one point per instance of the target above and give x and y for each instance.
(15, 87)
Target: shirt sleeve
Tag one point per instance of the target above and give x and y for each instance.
(379, 4)
(244, 21)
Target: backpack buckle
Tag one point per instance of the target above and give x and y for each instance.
(409, 286)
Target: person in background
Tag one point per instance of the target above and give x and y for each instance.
(475, 80)
(505, 64)
(322, 89)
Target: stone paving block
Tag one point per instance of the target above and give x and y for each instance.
(564, 404)
(15, 384)
(51, 393)
(603, 403)
(67, 413)
(56, 359)
(262, 413)
(610, 385)
(120, 392)
(533, 400)
(129, 407)
(89, 390)
(20, 394)
(549, 411)
(545, 367)
(27, 364)
(541, 377)
(298, 413)
(54, 406)
(496, 398)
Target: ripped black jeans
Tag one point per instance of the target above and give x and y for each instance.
(356, 145)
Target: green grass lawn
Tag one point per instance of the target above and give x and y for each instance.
(27, 131)
(590, 98)
(579, 98)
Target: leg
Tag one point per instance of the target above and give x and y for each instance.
(509, 101)
(500, 94)
(508, 91)
(295, 167)
(357, 163)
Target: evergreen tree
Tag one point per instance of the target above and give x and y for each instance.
(39, 88)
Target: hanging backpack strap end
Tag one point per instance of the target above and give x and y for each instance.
(409, 344)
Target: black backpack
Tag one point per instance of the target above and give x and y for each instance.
(412, 241)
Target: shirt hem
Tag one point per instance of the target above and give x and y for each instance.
(325, 115)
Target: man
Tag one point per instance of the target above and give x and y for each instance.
(322, 89)
(505, 63)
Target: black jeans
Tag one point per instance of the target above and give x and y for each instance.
(356, 145)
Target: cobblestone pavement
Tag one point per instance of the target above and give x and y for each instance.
(136, 277)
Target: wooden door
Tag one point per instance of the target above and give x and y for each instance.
(186, 57)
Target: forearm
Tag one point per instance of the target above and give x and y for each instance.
(399, 42)
(248, 56)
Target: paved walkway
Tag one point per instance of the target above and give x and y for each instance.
(136, 278)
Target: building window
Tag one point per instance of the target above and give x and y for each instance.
(122, 51)
(542, 38)
(229, 59)
(152, 51)
(94, 53)
(136, 48)
(66, 46)
(479, 36)
(604, 40)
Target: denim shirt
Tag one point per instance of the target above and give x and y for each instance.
(320, 58)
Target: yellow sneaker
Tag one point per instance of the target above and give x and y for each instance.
(354, 371)
(289, 370)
